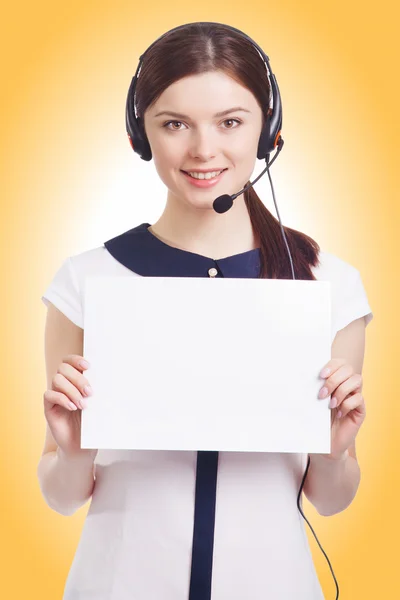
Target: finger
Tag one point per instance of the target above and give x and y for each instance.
(51, 397)
(353, 384)
(75, 377)
(77, 361)
(333, 365)
(334, 413)
(351, 403)
(59, 383)
(333, 381)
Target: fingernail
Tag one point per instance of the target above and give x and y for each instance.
(333, 402)
(84, 364)
(339, 414)
(323, 392)
(88, 390)
(83, 403)
(325, 372)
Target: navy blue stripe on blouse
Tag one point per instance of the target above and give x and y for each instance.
(204, 522)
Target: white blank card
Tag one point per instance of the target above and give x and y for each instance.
(229, 364)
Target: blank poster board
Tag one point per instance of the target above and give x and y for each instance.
(229, 364)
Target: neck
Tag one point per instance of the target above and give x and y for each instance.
(206, 232)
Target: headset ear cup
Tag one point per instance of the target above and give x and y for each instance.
(135, 130)
(145, 153)
(265, 143)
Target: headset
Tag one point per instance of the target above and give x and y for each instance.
(270, 139)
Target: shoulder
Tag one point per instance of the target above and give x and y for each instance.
(66, 289)
(96, 262)
(333, 268)
(349, 299)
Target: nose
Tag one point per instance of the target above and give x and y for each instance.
(203, 145)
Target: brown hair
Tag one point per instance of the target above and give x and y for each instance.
(203, 47)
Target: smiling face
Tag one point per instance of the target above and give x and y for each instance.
(199, 139)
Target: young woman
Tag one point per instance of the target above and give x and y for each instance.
(207, 525)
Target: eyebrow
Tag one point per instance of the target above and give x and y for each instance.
(218, 114)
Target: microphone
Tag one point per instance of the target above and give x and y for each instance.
(225, 202)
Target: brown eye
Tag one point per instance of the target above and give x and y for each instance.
(174, 122)
(232, 121)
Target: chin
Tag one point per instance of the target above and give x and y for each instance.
(200, 202)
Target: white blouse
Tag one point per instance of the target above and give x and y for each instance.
(137, 539)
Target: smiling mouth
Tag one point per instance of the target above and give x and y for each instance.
(187, 172)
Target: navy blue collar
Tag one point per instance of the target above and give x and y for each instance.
(142, 252)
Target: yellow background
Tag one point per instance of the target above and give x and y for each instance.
(67, 182)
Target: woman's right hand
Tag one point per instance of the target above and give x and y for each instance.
(67, 391)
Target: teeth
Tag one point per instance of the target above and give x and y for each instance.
(204, 175)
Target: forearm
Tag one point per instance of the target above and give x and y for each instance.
(66, 483)
(332, 484)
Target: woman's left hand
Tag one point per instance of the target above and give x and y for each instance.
(347, 403)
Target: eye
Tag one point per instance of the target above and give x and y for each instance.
(232, 120)
(238, 121)
(173, 129)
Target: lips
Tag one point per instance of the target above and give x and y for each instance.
(204, 182)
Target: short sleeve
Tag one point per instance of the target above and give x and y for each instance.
(352, 302)
(63, 291)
